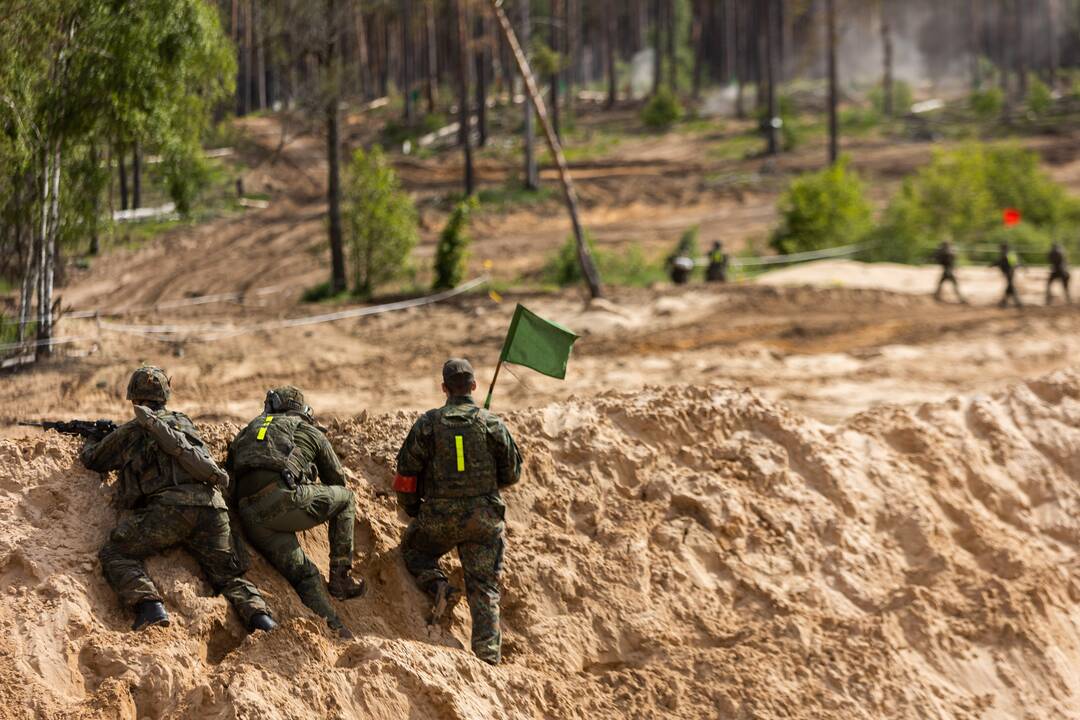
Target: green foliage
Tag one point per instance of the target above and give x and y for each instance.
(626, 267)
(987, 104)
(960, 197)
(903, 98)
(1040, 99)
(1032, 243)
(823, 209)
(662, 111)
(380, 222)
(545, 61)
(321, 293)
(688, 244)
(453, 248)
(396, 131)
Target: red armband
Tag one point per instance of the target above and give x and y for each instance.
(405, 483)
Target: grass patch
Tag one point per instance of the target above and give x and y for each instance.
(321, 293)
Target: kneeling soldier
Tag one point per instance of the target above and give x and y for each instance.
(276, 461)
(449, 472)
(167, 475)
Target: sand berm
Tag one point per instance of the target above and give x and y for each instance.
(693, 552)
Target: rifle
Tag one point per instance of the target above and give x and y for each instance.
(94, 430)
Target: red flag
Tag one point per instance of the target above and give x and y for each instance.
(1011, 217)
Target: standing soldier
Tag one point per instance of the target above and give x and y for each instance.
(449, 473)
(276, 460)
(718, 264)
(1008, 262)
(946, 258)
(1059, 271)
(680, 269)
(167, 475)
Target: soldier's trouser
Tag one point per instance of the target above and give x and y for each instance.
(477, 533)
(202, 531)
(1063, 278)
(271, 522)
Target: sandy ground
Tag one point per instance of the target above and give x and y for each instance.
(817, 495)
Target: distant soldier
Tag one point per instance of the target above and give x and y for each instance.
(946, 258)
(276, 461)
(449, 473)
(680, 269)
(1008, 263)
(718, 264)
(1059, 271)
(169, 478)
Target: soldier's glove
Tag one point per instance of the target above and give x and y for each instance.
(288, 478)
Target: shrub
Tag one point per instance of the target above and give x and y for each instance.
(1030, 242)
(628, 267)
(380, 222)
(903, 98)
(453, 248)
(662, 111)
(987, 104)
(823, 209)
(687, 247)
(1039, 99)
(960, 196)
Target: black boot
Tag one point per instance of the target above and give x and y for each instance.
(150, 612)
(261, 621)
(342, 586)
(446, 597)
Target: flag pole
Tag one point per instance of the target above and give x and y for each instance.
(487, 403)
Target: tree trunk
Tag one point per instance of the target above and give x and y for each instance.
(887, 45)
(260, 55)
(771, 127)
(123, 178)
(671, 23)
(463, 97)
(658, 53)
(588, 267)
(432, 56)
(333, 152)
(1020, 51)
(481, 57)
(249, 58)
(363, 70)
(556, 21)
(697, 39)
(834, 90)
(741, 74)
(611, 37)
(136, 177)
(29, 284)
(532, 173)
(407, 62)
(974, 24)
(1054, 56)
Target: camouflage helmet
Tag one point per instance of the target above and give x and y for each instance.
(148, 383)
(287, 398)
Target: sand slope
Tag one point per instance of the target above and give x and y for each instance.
(690, 552)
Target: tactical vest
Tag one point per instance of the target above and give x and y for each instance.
(462, 465)
(265, 444)
(148, 470)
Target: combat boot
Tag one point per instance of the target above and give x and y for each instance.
(150, 612)
(261, 621)
(342, 586)
(446, 598)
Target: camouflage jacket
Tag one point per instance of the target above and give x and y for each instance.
(287, 441)
(146, 473)
(418, 456)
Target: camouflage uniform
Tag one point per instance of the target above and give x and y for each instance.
(460, 455)
(1008, 262)
(718, 264)
(170, 508)
(282, 448)
(945, 256)
(1059, 272)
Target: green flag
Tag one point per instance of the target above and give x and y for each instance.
(536, 343)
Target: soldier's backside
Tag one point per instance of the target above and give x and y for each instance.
(451, 468)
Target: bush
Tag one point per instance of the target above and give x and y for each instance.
(1030, 242)
(628, 267)
(960, 196)
(987, 104)
(380, 222)
(687, 247)
(453, 248)
(821, 210)
(662, 111)
(903, 98)
(1039, 99)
